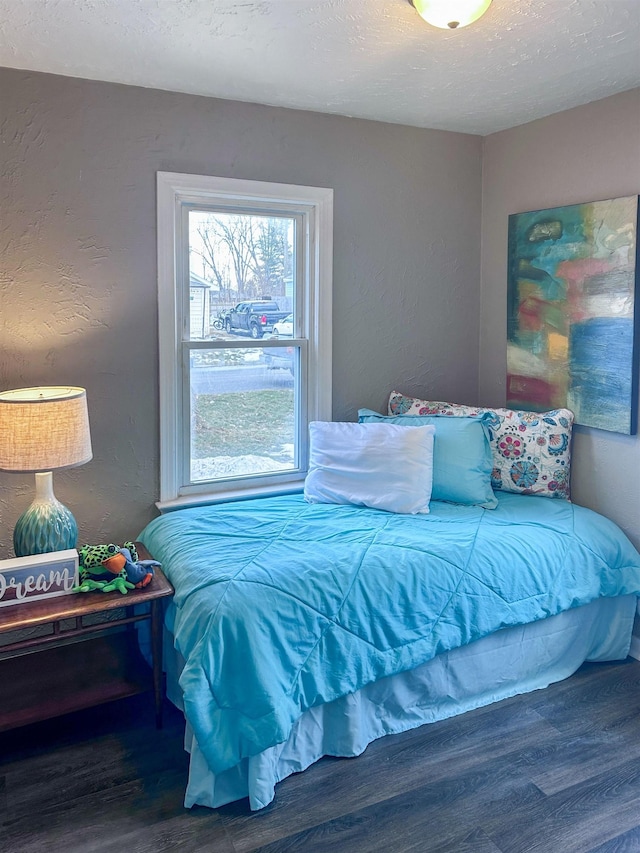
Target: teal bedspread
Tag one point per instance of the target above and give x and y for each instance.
(282, 605)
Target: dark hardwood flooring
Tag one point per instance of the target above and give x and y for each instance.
(555, 771)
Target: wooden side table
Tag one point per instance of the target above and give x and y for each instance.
(46, 676)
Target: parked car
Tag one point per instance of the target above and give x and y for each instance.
(281, 357)
(257, 317)
(283, 328)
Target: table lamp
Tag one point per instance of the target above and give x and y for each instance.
(43, 430)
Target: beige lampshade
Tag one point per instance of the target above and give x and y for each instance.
(44, 429)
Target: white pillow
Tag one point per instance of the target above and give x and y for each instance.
(384, 466)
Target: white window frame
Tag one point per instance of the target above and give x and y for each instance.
(314, 205)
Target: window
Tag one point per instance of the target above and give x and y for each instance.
(244, 304)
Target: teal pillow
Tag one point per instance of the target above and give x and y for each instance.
(462, 458)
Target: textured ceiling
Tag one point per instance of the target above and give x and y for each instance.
(375, 59)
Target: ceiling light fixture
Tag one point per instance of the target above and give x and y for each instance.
(450, 14)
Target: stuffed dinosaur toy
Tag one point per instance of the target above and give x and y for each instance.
(109, 567)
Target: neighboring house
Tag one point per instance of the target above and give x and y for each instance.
(200, 306)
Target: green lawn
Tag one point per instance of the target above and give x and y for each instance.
(243, 423)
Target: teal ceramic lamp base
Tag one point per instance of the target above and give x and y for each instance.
(47, 525)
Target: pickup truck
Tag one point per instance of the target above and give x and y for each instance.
(257, 317)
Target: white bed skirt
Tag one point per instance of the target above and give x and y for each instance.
(512, 661)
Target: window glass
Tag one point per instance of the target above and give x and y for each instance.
(241, 272)
(243, 412)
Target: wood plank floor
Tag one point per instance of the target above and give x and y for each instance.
(556, 771)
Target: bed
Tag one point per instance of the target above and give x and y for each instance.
(301, 629)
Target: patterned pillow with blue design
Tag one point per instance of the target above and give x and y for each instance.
(531, 450)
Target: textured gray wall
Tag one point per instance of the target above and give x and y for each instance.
(585, 154)
(78, 161)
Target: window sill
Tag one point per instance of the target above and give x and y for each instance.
(203, 498)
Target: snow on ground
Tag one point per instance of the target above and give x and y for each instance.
(218, 467)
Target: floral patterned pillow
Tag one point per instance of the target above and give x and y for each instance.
(531, 450)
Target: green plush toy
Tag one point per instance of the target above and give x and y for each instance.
(101, 569)
(118, 583)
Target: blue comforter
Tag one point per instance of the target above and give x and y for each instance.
(282, 605)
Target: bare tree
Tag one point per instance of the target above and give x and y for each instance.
(273, 255)
(254, 252)
(215, 265)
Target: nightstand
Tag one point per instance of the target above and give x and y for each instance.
(85, 659)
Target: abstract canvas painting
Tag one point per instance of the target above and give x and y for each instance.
(572, 312)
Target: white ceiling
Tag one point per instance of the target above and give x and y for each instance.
(375, 59)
